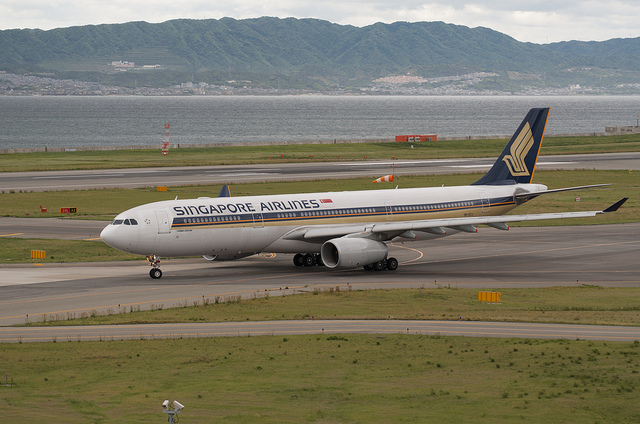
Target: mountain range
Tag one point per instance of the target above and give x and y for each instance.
(312, 54)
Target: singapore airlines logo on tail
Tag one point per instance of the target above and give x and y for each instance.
(519, 149)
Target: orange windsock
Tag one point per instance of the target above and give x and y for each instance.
(385, 178)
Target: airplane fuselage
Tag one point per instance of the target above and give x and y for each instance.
(233, 227)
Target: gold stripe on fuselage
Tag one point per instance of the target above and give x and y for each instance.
(354, 218)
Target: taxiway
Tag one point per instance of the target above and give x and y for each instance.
(522, 257)
(276, 171)
(296, 327)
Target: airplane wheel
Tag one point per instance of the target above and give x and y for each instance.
(319, 260)
(309, 260)
(368, 267)
(298, 259)
(378, 266)
(392, 264)
(155, 273)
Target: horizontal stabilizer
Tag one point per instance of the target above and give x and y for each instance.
(532, 194)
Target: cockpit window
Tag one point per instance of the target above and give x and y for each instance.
(124, 221)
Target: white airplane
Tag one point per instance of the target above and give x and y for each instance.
(340, 229)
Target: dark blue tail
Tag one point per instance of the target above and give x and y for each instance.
(518, 160)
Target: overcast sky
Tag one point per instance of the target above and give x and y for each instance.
(537, 21)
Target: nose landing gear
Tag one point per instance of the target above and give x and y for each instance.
(154, 261)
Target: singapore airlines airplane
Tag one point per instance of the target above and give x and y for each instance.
(339, 229)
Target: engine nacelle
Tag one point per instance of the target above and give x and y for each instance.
(352, 252)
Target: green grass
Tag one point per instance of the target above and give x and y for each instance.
(94, 159)
(323, 379)
(587, 305)
(15, 250)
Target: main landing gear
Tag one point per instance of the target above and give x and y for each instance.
(307, 259)
(154, 261)
(310, 259)
(390, 264)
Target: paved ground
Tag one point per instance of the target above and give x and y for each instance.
(172, 176)
(51, 228)
(270, 328)
(606, 255)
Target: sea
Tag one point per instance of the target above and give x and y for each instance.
(84, 121)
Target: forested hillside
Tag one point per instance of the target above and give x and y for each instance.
(310, 53)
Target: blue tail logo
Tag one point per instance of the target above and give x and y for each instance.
(517, 162)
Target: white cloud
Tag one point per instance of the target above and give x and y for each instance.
(538, 21)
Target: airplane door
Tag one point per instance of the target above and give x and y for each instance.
(387, 207)
(484, 199)
(164, 226)
(258, 221)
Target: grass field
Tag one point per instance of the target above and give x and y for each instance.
(585, 305)
(324, 379)
(95, 159)
(342, 378)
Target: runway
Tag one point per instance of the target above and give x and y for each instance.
(294, 328)
(194, 175)
(51, 228)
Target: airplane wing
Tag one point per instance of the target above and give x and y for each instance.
(387, 230)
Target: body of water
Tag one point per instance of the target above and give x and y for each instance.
(52, 121)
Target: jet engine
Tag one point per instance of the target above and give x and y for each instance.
(352, 252)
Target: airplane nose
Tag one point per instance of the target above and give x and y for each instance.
(107, 235)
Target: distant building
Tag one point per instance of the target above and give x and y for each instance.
(629, 129)
(119, 64)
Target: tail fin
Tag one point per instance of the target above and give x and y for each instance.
(518, 160)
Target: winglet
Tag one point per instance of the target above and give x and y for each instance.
(615, 206)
